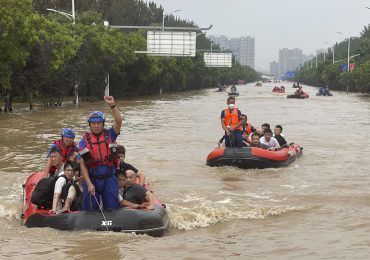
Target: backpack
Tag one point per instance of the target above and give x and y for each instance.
(43, 194)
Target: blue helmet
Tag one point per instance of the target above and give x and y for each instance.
(96, 116)
(68, 132)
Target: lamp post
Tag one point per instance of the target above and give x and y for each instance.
(325, 50)
(164, 15)
(349, 46)
(69, 16)
(333, 48)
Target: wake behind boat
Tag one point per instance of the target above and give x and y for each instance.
(141, 221)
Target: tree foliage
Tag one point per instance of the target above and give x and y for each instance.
(43, 54)
(331, 74)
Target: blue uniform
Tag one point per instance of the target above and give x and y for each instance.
(103, 177)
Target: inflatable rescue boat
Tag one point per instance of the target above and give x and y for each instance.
(141, 221)
(252, 157)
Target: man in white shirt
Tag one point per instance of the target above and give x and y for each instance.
(268, 140)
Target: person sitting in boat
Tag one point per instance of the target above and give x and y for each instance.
(299, 91)
(233, 88)
(279, 136)
(63, 179)
(231, 122)
(268, 140)
(98, 148)
(65, 144)
(56, 160)
(263, 127)
(321, 91)
(256, 142)
(133, 195)
(325, 91)
(72, 192)
(123, 166)
(247, 129)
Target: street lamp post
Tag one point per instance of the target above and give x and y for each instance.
(348, 50)
(333, 53)
(325, 50)
(164, 15)
(69, 16)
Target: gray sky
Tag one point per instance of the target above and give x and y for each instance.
(276, 24)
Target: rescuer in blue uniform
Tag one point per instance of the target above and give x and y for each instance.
(98, 148)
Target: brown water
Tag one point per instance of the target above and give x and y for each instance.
(314, 209)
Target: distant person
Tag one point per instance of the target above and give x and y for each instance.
(231, 122)
(299, 91)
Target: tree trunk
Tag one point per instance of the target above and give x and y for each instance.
(30, 100)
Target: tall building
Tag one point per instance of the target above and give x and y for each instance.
(274, 69)
(243, 47)
(222, 41)
(290, 59)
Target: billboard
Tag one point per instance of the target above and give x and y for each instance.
(290, 74)
(171, 43)
(218, 60)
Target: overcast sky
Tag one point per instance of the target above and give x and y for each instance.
(277, 24)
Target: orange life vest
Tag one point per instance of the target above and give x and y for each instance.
(98, 147)
(232, 119)
(248, 129)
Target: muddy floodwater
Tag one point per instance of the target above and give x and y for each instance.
(316, 208)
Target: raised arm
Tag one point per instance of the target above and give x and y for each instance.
(116, 113)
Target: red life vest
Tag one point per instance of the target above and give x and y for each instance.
(232, 119)
(98, 147)
(65, 150)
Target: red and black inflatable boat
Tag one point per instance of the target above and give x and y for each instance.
(278, 89)
(299, 96)
(141, 221)
(252, 157)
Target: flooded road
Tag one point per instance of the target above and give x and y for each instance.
(317, 208)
